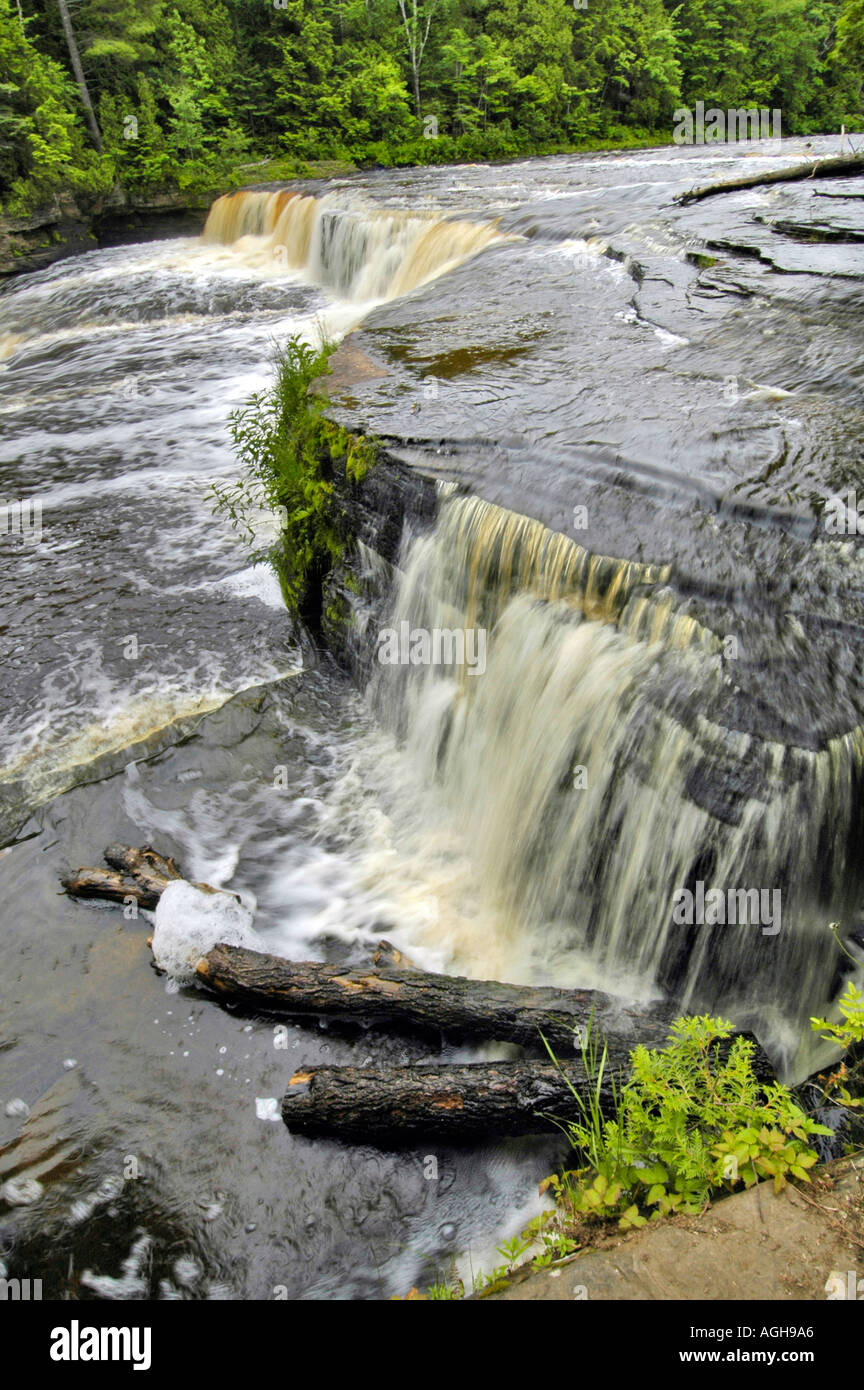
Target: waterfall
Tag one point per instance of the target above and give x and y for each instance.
(359, 255)
(585, 771)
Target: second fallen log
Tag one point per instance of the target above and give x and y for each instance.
(448, 1004)
(468, 1101)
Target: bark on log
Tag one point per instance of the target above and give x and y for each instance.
(142, 874)
(150, 868)
(393, 991)
(468, 1101)
(833, 168)
(108, 884)
(448, 1004)
(474, 1100)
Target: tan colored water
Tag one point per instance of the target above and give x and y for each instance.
(371, 254)
(570, 774)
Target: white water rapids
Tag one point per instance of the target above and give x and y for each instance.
(154, 689)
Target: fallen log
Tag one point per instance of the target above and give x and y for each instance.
(108, 884)
(142, 874)
(409, 998)
(835, 167)
(455, 1102)
(473, 1100)
(391, 991)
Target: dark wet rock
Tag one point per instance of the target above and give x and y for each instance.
(392, 502)
(701, 414)
(31, 243)
(67, 227)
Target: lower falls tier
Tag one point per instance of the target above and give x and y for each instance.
(570, 713)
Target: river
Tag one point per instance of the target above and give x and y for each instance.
(676, 389)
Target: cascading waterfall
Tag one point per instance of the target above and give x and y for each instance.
(573, 767)
(360, 255)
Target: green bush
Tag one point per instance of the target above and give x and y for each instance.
(691, 1119)
(297, 465)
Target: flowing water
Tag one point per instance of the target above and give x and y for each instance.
(639, 410)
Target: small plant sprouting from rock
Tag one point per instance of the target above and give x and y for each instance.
(297, 465)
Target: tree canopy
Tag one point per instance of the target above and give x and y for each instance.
(186, 90)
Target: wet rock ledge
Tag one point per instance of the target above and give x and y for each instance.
(66, 227)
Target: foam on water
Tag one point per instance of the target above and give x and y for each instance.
(189, 922)
(258, 582)
(47, 766)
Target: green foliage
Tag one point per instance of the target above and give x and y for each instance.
(850, 33)
(444, 1291)
(691, 1119)
(846, 1033)
(42, 142)
(297, 465)
(187, 92)
(512, 1251)
(850, 1029)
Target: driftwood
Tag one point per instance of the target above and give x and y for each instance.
(470, 1101)
(142, 874)
(390, 991)
(834, 167)
(448, 1004)
(475, 1100)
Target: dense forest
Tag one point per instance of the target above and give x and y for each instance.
(196, 93)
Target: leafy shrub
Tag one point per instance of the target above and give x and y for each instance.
(293, 458)
(848, 1033)
(691, 1119)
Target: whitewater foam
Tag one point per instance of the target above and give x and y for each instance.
(190, 921)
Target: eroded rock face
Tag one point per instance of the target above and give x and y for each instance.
(649, 414)
(32, 243)
(673, 386)
(66, 227)
(394, 502)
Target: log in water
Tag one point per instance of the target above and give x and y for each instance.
(475, 1100)
(467, 1101)
(391, 992)
(459, 1008)
(835, 168)
(142, 874)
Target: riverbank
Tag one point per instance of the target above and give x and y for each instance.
(72, 222)
(66, 227)
(752, 1246)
